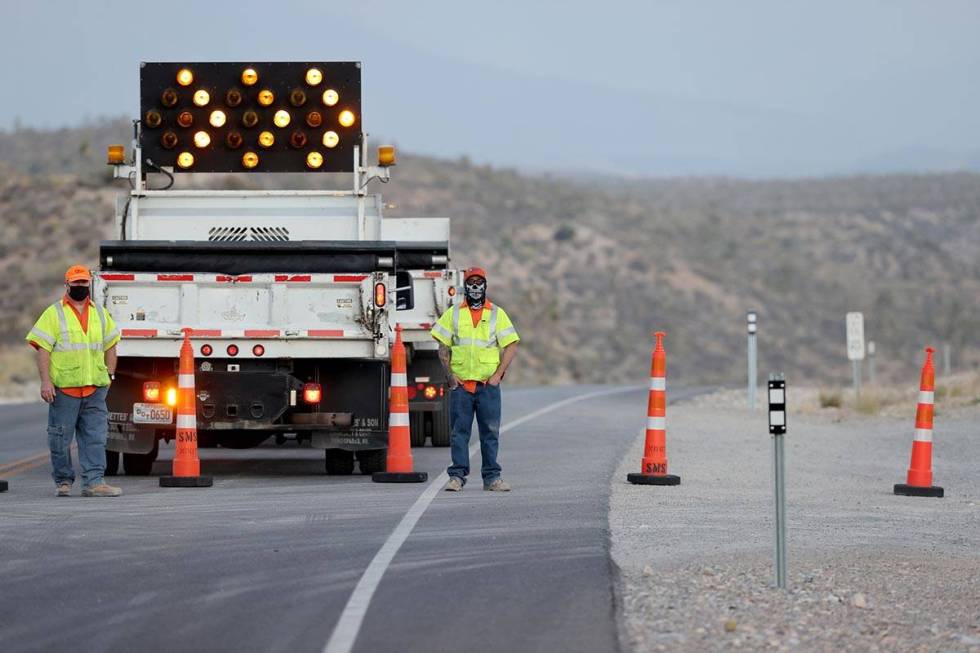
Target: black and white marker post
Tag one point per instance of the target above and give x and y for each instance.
(751, 322)
(777, 428)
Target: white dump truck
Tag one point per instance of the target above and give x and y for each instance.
(290, 296)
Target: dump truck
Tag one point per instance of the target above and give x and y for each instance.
(289, 296)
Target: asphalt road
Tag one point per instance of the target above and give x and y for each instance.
(267, 559)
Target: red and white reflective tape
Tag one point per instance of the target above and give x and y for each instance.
(927, 397)
(186, 421)
(220, 333)
(139, 333)
(922, 435)
(185, 381)
(656, 423)
(325, 333)
(349, 278)
(293, 278)
(398, 419)
(658, 383)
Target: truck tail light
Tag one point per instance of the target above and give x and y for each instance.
(171, 396)
(232, 350)
(430, 392)
(258, 350)
(380, 294)
(412, 392)
(151, 392)
(206, 350)
(312, 393)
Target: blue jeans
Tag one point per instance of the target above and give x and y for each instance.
(485, 405)
(87, 419)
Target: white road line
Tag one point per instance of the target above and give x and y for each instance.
(349, 625)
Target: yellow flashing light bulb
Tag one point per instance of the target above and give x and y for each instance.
(202, 139)
(185, 160)
(330, 139)
(314, 76)
(330, 97)
(217, 118)
(185, 77)
(281, 118)
(171, 396)
(250, 160)
(314, 160)
(266, 139)
(249, 77)
(266, 97)
(346, 118)
(201, 98)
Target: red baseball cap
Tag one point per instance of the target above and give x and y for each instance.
(474, 272)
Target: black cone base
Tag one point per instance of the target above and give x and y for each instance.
(3, 486)
(399, 477)
(186, 481)
(644, 479)
(916, 491)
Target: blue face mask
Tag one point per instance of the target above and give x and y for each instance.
(476, 292)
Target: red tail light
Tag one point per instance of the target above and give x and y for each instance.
(380, 294)
(412, 392)
(430, 392)
(312, 393)
(151, 392)
(258, 350)
(206, 350)
(232, 350)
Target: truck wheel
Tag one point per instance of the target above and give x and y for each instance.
(140, 464)
(374, 460)
(416, 422)
(442, 428)
(339, 462)
(111, 463)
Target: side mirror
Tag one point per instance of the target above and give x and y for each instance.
(404, 291)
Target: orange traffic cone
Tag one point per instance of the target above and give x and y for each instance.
(920, 469)
(399, 464)
(187, 466)
(654, 466)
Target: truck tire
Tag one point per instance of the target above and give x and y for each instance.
(338, 462)
(416, 422)
(373, 460)
(442, 428)
(140, 464)
(111, 463)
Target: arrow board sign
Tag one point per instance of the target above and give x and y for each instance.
(855, 336)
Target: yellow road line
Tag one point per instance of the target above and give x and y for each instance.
(30, 461)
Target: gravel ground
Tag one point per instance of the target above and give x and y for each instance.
(868, 570)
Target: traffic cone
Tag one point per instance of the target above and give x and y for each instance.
(187, 466)
(399, 464)
(920, 469)
(654, 465)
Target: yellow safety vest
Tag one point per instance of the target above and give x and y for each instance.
(475, 350)
(77, 357)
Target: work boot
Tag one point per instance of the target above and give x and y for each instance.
(454, 484)
(102, 490)
(497, 486)
(64, 489)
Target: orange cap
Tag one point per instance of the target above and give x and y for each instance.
(474, 272)
(77, 273)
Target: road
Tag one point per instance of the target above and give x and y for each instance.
(268, 558)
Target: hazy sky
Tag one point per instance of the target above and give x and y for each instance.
(769, 87)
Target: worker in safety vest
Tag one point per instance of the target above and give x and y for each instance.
(76, 341)
(478, 342)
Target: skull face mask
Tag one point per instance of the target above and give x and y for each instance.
(476, 292)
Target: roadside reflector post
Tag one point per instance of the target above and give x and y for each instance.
(855, 347)
(777, 428)
(751, 320)
(871, 362)
(947, 359)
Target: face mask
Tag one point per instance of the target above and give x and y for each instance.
(476, 292)
(78, 293)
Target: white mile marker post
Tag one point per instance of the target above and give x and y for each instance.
(871, 362)
(777, 428)
(751, 320)
(855, 347)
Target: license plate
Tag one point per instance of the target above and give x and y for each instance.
(152, 414)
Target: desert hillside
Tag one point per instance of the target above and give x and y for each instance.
(588, 268)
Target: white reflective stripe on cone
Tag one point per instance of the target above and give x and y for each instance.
(922, 435)
(658, 383)
(398, 419)
(657, 423)
(927, 397)
(398, 379)
(186, 421)
(185, 380)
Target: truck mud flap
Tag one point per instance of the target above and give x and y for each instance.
(124, 439)
(350, 440)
